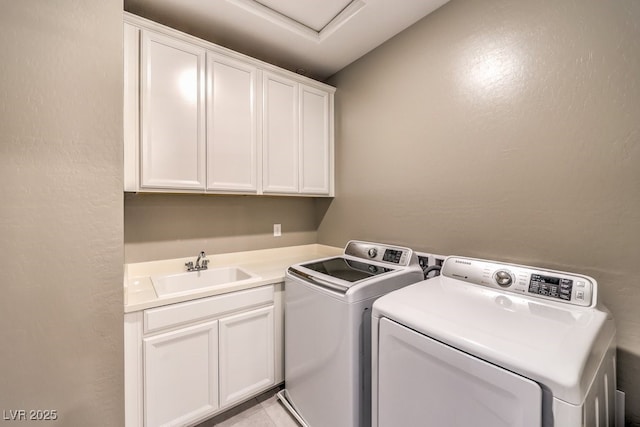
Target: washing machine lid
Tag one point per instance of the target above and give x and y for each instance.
(556, 345)
(362, 270)
(341, 274)
(346, 269)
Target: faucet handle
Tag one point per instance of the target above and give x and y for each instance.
(189, 265)
(205, 264)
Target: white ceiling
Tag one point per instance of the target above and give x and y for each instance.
(314, 37)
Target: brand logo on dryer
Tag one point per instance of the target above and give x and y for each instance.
(459, 261)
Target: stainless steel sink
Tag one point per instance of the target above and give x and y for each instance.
(196, 281)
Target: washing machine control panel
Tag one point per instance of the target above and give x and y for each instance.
(552, 285)
(393, 255)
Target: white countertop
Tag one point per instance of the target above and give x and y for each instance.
(268, 264)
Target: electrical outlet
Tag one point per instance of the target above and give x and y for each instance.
(277, 230)
(429, 260)
(423, 261)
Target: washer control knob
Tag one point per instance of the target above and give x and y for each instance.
(503, 278)
(373, 252)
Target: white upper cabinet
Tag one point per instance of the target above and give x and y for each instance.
(172, 109)
(199, 118)
(232, 143)
(280, 134)
(296, 138)
(131, 111)
(314, 141)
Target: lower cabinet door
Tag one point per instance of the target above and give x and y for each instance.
(247, 354)
(181, 375)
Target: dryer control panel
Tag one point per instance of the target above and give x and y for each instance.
(552, 285)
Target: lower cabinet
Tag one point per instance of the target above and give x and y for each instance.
(246, 352)
(181, 375)
(186, 362)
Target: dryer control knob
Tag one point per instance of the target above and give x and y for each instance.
(373, 252)
(503, 278)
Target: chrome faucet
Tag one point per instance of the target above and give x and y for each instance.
(198, 266)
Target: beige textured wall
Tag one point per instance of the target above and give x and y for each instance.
(162, 226)
(61, 212)
(506, 130)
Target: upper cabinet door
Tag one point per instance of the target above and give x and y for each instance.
(173, 113)
(314, 140)
(231, 125)
(280, 134)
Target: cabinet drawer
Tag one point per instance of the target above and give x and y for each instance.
(156, 319)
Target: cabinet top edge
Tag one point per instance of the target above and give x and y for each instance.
(148, 24)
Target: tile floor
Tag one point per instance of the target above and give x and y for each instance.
(263, 411)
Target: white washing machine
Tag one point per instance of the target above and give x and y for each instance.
(490, 344)
(328, 330)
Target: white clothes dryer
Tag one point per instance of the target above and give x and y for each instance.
(490, 344)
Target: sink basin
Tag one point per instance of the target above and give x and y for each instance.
(195, 281)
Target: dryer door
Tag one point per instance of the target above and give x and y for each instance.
(424, 382)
